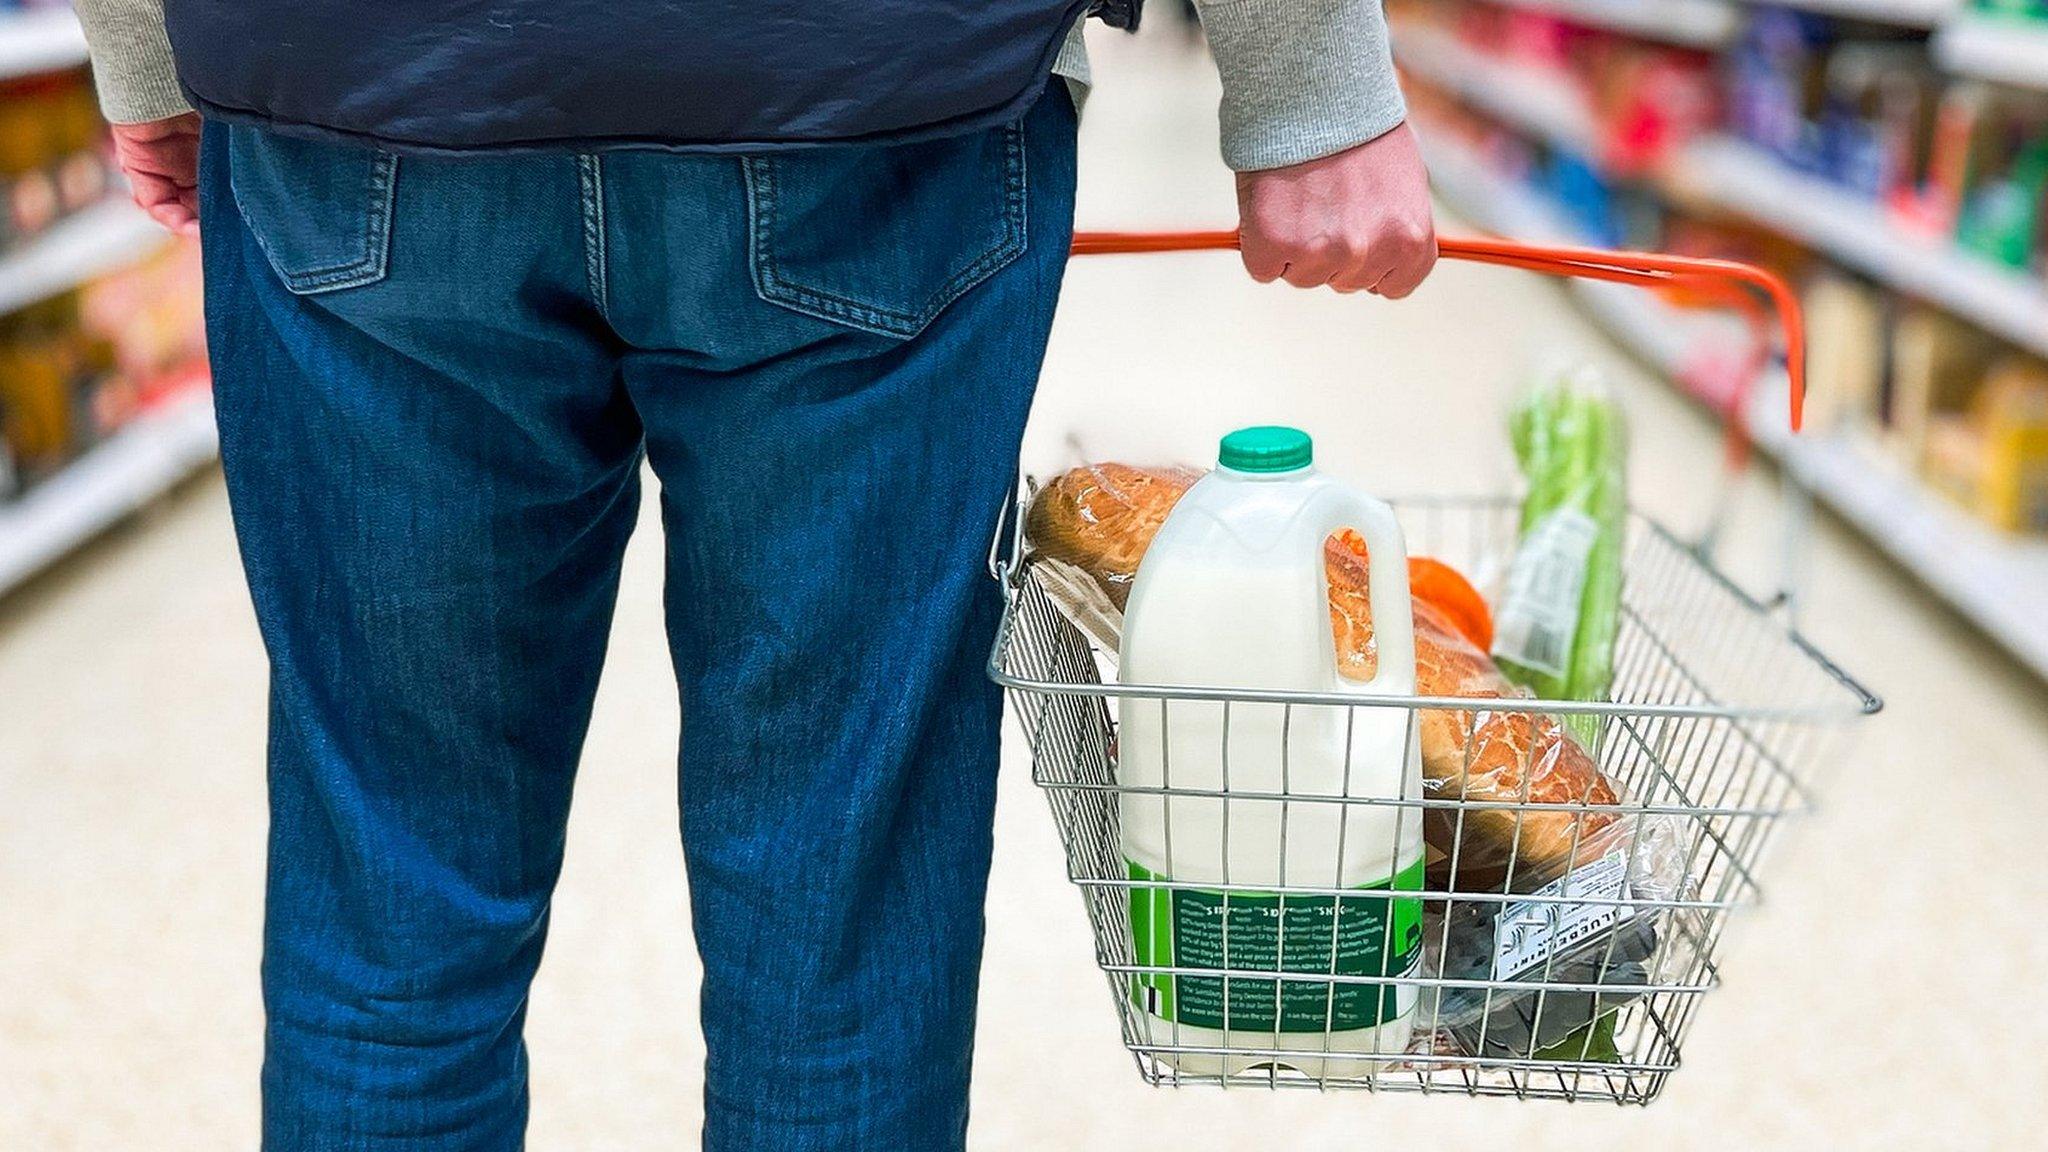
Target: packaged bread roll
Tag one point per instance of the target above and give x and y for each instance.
(1101, 518)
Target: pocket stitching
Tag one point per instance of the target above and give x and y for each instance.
(381, 189)
(771, 287)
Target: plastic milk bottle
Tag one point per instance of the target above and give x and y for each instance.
(1232, 595)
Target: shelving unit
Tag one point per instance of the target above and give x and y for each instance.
(47, 40)
(2005, 51)
(1997, 582)
(145, 457)
(1689, 23)
(1739, 178)
(75, 250)
(113, 480)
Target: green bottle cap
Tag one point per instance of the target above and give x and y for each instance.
(1267, 449)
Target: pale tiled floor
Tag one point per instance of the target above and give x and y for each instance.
(1881, 999)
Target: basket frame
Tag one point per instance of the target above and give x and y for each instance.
(1724, 771)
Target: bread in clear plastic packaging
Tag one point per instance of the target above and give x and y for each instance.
(1100, 518)
(1495, 759)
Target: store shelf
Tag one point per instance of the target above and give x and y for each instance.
(1997, 582)
(48, 40)
(1905, 13)
(1742, 179)
(1528, 99)
(111, 481)
(75, 250)
(1689, 23)
(2005, 51)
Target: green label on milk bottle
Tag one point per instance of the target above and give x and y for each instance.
(1371, 934)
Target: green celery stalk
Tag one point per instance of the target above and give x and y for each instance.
(1570, 439)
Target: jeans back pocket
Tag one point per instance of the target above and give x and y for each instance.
(321, 212)
(883, 238)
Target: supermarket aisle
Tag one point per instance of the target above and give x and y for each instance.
(1862, 1005)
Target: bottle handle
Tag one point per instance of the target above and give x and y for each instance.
(1393, 613)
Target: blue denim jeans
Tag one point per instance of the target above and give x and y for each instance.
(437, 380)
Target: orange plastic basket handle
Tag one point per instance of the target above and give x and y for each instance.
(1643, 269)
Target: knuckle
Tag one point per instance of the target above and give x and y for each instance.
(1322, 247)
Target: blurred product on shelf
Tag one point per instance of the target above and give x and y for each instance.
(1848, 321)
(52, 159)
(1993, 456)
(79, 366)
(1632, 100)
(1937, 363)
(1862, 107)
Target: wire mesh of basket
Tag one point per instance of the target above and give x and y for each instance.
(1577, 981)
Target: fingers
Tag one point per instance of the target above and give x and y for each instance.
(160, 158)
(1414, 255)
(1388, 258)
(1315, 263)
(1308, 262)
(1373, 267)
(176, 218)
(173, 156)
(1265, 260)
(174, 207)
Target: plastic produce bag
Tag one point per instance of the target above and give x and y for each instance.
(1626, 934)
(1562, 608)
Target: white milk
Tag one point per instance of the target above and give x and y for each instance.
(1232, 594)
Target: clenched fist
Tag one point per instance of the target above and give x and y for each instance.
(161, 160)
(1358, 220)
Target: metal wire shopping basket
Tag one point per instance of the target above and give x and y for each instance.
(1579, 984)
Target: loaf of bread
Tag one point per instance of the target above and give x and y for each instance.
(1102, 517)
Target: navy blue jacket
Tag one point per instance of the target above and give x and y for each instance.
(462, 75)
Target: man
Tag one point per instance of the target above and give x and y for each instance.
(467, 265)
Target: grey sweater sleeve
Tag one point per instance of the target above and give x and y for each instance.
(1302, 79)
(131, 59)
